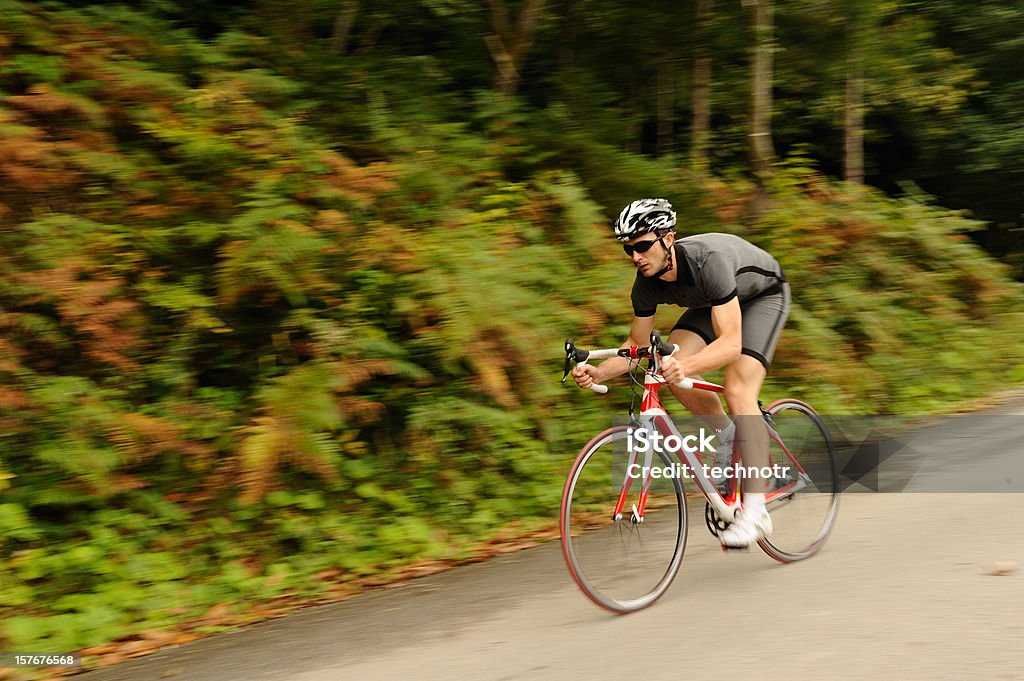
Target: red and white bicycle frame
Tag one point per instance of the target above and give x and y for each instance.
(654, 417)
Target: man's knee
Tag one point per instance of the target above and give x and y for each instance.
(740, 398)
(742, 384)
(689, 343)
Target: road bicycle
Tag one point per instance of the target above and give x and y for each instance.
(624, 522)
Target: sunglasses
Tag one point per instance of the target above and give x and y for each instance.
(641, 247)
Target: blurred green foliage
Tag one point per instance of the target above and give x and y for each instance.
(267, 311)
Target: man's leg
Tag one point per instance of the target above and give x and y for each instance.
(699, 402)
(743, 379)
(763, 319)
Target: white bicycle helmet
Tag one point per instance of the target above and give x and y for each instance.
(643, 216)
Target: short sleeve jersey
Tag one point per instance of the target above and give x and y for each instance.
(713, 269)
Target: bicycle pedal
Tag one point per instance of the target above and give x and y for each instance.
(734, 549)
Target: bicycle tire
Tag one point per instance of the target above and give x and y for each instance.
(618, 564)
(804, 519)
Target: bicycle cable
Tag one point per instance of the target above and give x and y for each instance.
(634, 364)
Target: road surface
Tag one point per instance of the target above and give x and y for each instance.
(910, 586)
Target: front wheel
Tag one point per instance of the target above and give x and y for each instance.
(804, 498)
(621, 563)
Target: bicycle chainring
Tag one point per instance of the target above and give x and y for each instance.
(714, 522)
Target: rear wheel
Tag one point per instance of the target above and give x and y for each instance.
(621, 563)
(804, 498)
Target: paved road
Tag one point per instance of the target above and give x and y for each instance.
(903, 590)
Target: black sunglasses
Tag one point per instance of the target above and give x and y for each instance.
(641, 247)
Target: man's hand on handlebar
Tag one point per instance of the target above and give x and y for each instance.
(588, 376)
(585, 375)
(673, 369)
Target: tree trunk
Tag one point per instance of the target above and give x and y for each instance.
(858, 19)
(701, 86)
(853, 118)
(762, 152)
(343, 25)
(509, 43)
(567, 44)
(666, 105)
(634, 114)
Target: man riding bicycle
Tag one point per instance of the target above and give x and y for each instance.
(737, 302)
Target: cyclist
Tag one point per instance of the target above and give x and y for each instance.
(737, 301)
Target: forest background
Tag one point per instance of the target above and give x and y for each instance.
(283, 286)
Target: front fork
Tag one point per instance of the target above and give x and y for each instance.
(627, 482)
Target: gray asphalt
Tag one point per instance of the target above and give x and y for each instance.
(910, 586)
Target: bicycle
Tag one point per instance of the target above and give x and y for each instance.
(608, 547)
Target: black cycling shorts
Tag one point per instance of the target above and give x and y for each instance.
(763, 319)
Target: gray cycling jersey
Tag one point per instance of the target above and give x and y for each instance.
(712, 269)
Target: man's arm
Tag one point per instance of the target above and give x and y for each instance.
(639, 334)
(727, 320)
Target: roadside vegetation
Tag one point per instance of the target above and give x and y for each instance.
(282, 302)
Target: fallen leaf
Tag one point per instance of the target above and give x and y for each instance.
(423, 570)
(217, 612)
(1003, 568)
(512, 548)
(138, 647)
(158, 637)
(111, 658)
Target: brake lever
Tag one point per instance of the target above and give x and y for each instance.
(657, 344)
(570, 353)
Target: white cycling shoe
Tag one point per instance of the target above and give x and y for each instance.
(747, 529)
